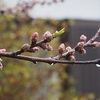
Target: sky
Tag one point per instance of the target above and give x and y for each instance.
(71, 9)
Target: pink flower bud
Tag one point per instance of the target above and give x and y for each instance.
(2, 50)
(34, 49)
(48, 36)
(25, 47)
(61, 48)
(80, 44)
(72, 52)
(43, 46)
(72, 58)
(68, 48)
(49, 47)
(83, 38)
(34, 37)
(96, 44)
(82, 51)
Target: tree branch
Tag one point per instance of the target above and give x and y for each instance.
(47, 60)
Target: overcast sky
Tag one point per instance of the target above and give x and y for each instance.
(72, 9)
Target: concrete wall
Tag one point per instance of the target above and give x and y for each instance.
(87, 77)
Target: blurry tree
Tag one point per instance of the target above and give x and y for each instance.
(23, 80)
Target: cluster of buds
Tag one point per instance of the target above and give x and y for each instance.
(80, 45)
(35, 44)
(47, 37)
(70, 54)
(27, 48)
(66, 53)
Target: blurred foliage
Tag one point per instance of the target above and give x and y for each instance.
(22, 80)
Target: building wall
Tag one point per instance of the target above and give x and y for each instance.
(87, 77)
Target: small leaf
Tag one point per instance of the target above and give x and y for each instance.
(58, 33)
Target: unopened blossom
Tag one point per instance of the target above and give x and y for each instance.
(48, 36)
(72, 58)
(96, 44)
(82, 51)
(25, 47)
(83, 38)
(34, 49)
(49, 47)
(72, 52)
(68, 48)
(80, 44)
(61, 48)
(34, 37)
(2, 50)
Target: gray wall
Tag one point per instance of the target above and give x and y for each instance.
(87, 77)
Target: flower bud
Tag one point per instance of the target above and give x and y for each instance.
(34, 49)
(34, 37)
(68, 48)
(25, 47)
(2, 50)
(43, 46)
(72, 52)
(82, 51)
(72, 58)
(80, 44)
(96, 44)
(83, 38)
(61, 48)
(48, 36)
(49, 47)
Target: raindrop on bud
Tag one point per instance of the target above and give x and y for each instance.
(98, 65)
(52, 64)
(49, 47)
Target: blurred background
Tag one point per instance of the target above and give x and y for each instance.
(22, 80)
